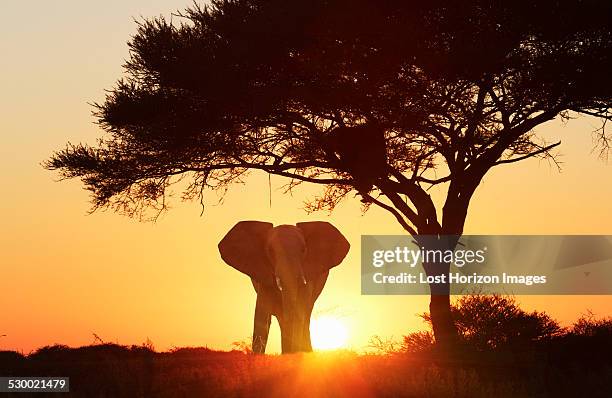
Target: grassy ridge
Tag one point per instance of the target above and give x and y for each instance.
(109, 370)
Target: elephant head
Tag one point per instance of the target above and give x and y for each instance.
(288, 265)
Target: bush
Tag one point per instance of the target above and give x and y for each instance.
(487, 322)
(378, 345)
(589, 326)
(418, 341)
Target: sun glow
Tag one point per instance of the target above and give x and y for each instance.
(328, 333)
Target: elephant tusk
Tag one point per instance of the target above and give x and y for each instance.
(303, 279)
(278, 284)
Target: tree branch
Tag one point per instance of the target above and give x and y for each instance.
(275, 169)
(427, 214)
(392, 210)
(529, 155)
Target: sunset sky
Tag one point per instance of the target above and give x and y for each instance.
(65, 274)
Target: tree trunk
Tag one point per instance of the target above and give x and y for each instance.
(454, 214)
(445, 331)
(443, 325)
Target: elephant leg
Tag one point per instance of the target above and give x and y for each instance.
(289, 333)
(261, 325)
(306, 342)
(316, 289)
(286, 338)
(291, 330)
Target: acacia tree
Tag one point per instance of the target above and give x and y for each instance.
(382, 98)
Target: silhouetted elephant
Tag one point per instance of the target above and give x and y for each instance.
(288, 266)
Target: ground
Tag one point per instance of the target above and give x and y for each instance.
(109, 370)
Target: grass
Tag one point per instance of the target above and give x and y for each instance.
(109, 370)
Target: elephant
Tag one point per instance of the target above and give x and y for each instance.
(288, 266)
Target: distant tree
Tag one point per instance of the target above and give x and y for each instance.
(385, 98)
(489, 322)
(590, 326)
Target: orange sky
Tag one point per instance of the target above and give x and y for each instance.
(65, 275)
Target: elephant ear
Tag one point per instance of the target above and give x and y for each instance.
(326, 247)
(244, 248)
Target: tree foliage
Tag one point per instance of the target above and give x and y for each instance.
(422, 93)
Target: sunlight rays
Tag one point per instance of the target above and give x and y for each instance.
(328, 333)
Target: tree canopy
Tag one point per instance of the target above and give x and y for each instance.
(359, 95)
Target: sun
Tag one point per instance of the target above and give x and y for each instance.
(328, 333)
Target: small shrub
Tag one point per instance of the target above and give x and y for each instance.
(244, 346)
(383, 346)
(418, 341)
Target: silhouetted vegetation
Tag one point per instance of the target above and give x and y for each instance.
(492, 322)
(497, 335)
(590, 326)
(109, 370)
